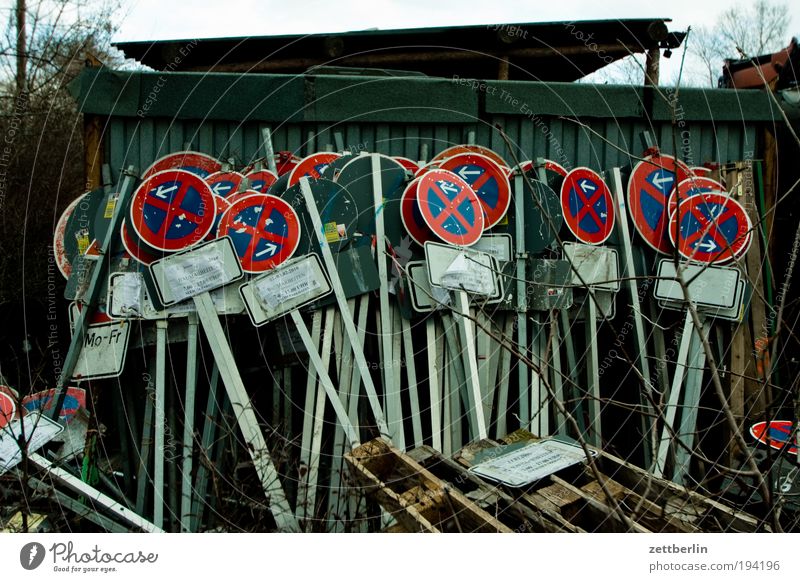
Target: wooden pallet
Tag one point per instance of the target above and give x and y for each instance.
(419, 500)
(575, 501)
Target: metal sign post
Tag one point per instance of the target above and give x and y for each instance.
(628, 271)
(394, 412)
(194, 274)
(347, 316)
(91, 296)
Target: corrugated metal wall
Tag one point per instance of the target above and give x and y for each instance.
(604, 145)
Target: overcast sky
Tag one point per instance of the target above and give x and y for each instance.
(157, 19)
(151, 20)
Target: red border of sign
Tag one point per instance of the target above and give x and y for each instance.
(168, 162)
(5, 418)
(242, 203)
(407, 163)
(133, 248)
(470, 149)
(672, 202)
(267, 183)
(59, 238)
(548, 165)
(218, 177)
(408, 200)
(728, 254)
(202, 187)
(470, 195)
(302, 167)
(610, 204)
(758, 430)
(669, 164)
(494, 170)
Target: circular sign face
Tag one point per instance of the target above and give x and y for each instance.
(409, 164)
(701, 172)
(469, 149)
(543, 216)
(172, 210)
(713, 228)
(312, 166)
(264, 229)
(222, 205)
(450, 208)
(285, 162)
(554, 171)
(691, 186)
(650, 184)
(410, 214)
(62, 259)
(588, 206)
(199, 164)
(335, 167)
(775, 434)
(132, 246)
(261, 180)
(356, 177)
(337, 211)
(224, 184)
(488, 180)
(7, 409)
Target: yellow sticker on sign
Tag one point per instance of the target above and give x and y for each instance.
(331, 232)
(110, 205)
(83, 242)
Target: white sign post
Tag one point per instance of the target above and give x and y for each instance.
(194, 274)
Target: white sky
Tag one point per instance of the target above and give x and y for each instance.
(150, 20)
(157, 19)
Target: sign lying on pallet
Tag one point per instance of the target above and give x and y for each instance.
(462, 270)
(522, 466)
(709, 286)
(39, 430)
(103, 351)
(207, 267)
(290, 286)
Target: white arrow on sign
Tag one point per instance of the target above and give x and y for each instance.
(220, 187)
(709, 246)
(162, 192)
(464, 172)
(586, 185)
(448, 186)
(270, 248)
(662, 179)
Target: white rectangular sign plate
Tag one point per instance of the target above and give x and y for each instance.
(530, 463)
(424, 297)
(103, 352)
(598, 266)
(709, 285)
(198, 270)
(39, 430)
(497, 245)
(462, 270)
(288, 287)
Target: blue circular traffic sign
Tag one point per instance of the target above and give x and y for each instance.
(450, 208)
(172, 210)
(588, 206)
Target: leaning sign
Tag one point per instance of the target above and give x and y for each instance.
(103, 351)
